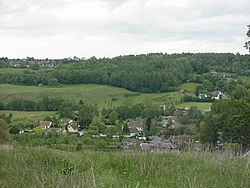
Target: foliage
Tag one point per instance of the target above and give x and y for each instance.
(45, 104)
(4, 132)
(142, 73)
(228, 121)
(247, 44)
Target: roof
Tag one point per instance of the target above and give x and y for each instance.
(216, 93)
(182, 136)
(74, 126)
(155, 139)
(157, 146)
(133, 130)
(182, 91)
(164, 122)
(45, 123)
(135, 125)
(130, 140)
(66, 120)
(181, 112)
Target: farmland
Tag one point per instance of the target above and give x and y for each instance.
(102, 95)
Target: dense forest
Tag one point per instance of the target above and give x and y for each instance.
(143, 73)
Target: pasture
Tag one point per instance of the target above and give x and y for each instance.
(102, 95)
(199, 105)
(189, 87)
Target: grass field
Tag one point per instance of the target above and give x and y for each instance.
(11, 70)
(189, 87)
(200, 105)
(101, 95)
(29, 167)
(29, 115)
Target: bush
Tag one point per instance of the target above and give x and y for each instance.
(4, 132)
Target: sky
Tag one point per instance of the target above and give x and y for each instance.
(108, 28)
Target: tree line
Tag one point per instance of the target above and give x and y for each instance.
(142, 73)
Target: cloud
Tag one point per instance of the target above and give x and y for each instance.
(86, 28)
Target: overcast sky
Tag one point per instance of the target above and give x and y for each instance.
(108, 28)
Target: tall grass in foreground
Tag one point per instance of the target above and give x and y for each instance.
(40, 167)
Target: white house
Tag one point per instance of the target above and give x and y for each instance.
(72, 128)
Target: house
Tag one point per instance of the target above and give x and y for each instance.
(173, 120)
(160, 146)
(182, 91)
(182, 138)
(73, 127)
(45, 124)
(217, 95)
(225, 97)
(129, 143)
(202, 96)
(218, 74)
(133, 131)
(135, 128)
(181, 111)
(126, 141)
(66, 120)
(162, 107)
(164, 122)
(155, 139)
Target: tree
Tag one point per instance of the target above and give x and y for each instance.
(15, 129)
(4, 132)
(113, 117)
(239, 92)
(148, 124)
(2, 107)
(125, 129)
(53, 82)
(35, 66)
(247, 44)
(86, 114)
(97, 126)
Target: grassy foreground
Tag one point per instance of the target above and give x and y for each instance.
(29, 167)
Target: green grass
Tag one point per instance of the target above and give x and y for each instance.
(28, 167)
(189, 87)
(28, 115)
(200, 105)
(101, 95)
(11, 70)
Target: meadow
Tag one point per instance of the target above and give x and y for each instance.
(199, 105)
(102, 95)
(189, 87)
(39, 167)
(11, 70)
